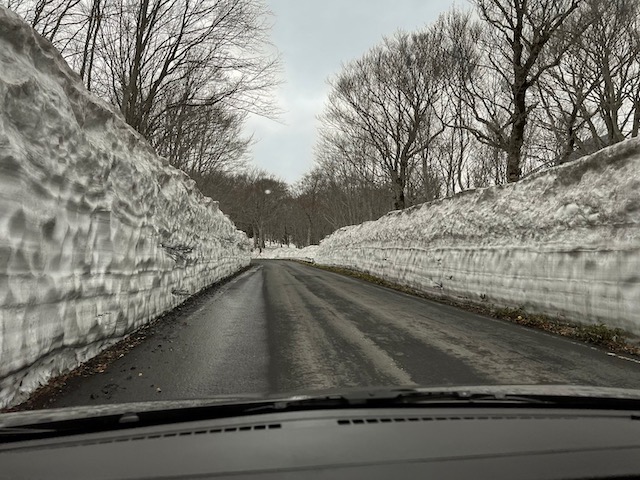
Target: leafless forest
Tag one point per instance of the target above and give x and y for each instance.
(486, 95)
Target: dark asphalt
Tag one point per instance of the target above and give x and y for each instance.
(283, 326)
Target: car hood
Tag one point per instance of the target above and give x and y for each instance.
(67, 413)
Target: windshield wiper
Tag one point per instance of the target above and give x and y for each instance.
(11, 432)
(398, 398)
(146, 418)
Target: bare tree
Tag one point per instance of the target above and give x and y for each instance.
(151, 45)
(386, 99)
(308, 198)
(262, 201)
(184, 73)
(94, 16)
(353, 190)
(612, 49)
(460, 39)
(48, 17)
(591, 97)
(203, 141)
(517, 34)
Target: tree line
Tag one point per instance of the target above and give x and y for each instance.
(483, 96)
(184, 73)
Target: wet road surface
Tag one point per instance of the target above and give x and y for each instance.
(282, 326)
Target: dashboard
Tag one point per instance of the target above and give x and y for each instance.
(351, 443)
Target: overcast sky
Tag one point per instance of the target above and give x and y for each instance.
(314, 38)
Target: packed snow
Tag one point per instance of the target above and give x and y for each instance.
(565, 242)
(98, 234)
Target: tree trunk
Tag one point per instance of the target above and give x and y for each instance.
(309, 225)
(516, 137)
(130, 93)
(398, 192)
(255, 237)
(261, 237)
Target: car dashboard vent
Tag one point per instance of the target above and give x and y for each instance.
(186, 433)
(383, 420)
(129, 437)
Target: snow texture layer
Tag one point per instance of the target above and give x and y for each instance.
(98, 234)
(565, 242)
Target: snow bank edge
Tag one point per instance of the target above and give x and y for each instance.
(98, 235)
(564, 242)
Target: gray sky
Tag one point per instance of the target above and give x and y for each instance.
(314, 38)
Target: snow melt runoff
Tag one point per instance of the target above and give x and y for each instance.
(98, 234)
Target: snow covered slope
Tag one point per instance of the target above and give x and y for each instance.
(563, 242)
(97, 233)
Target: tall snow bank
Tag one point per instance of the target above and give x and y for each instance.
(564, 242)
(97, 233)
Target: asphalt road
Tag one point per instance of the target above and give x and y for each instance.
(282, 326)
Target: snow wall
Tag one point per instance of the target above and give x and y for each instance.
(98, 234)
(564, 242)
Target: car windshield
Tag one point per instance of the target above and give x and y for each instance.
(243, 198)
